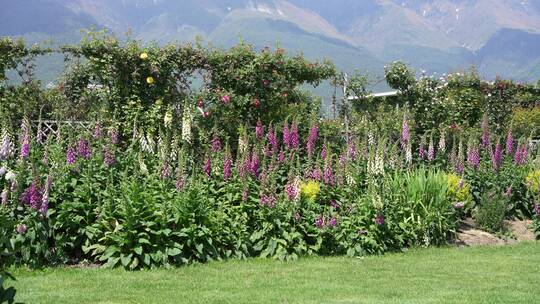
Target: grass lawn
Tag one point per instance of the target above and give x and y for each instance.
(509, 274)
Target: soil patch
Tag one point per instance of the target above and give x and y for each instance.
(470, 235)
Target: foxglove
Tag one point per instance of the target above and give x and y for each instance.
(509, 143)
(312, 138)
(295, 140)
(431, 150)
(71, 157)
(207, 167)
(405, 134)
(259, 130)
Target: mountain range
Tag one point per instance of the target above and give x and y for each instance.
(499, 37)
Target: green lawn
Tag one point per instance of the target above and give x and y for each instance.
(508, 274)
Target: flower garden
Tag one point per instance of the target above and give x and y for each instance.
(192, 154)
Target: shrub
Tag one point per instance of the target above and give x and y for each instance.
(491, 213)
(526, 121)
(459, 191)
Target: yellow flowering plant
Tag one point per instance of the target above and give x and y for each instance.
(150, 80)
(144, 56)
(458, 189)
(533, 180)
(310, 189)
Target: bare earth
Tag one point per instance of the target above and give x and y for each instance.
(470, 235)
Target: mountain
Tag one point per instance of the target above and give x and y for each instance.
(438, 36)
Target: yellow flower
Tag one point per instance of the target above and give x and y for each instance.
(310, 189)
(458, 189)
(533, 180)
(150, 80)
(144, 56)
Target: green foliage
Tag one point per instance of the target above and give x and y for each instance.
(526, 122)
(536, 226)
(459, 191)
(7, 295)
(492, 211)
(399, 76)
(420, 208)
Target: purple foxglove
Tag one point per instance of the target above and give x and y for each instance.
(328, 174)
(324, 151)
(165, 170)
(179, 184)
(97, 131)
(431, 150)
(312, 138)
(473, 156)
(286, 135)
(227, 164)
(421, 151)
(113, 134)
(518, 156)
(83, 149)
(272, 140)
(509, 143)
(281, 157)
(351, 150)
(25, 145)
(245, 194)
(108, 156)
(485, 132)
(215, 144)
(536, 209)
(379, 219)
(71, 157)
(320, 222)
(259, 130)
(254, 165)
(332, 222)
(207, 167)
(268, 201)
(496, 157)
(295, 140)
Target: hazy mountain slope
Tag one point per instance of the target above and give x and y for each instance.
(433, 35)
(40, 16)
(471, 23)
(513, 52)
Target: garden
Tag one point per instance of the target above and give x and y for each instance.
(149, 157)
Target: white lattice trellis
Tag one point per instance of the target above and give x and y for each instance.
(50, 128)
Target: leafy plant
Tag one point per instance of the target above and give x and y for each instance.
(7, 295)
(491, 213)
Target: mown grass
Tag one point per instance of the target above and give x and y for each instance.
(508, 274)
